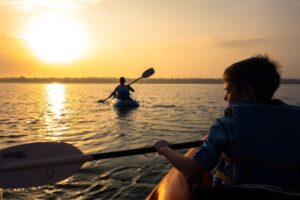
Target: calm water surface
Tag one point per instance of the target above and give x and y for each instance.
(69, 113)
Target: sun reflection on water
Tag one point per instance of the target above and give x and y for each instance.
(56, 103)
(56, 98)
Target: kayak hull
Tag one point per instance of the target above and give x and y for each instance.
(173, 186)
(125, 104)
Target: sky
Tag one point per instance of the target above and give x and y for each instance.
(112, 38)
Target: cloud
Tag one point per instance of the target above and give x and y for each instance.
(239, 43)
(55, 4)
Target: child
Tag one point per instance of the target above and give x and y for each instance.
(252, 147)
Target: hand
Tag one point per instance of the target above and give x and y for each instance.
(161, 145)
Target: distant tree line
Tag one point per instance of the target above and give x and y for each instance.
(106, 80)
(116, 80)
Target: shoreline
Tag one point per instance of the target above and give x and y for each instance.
(116, 80)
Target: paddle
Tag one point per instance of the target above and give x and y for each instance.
(44, 163)
(149, 72)
(103, 100)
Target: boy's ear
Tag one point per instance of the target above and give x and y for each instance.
(249, 93)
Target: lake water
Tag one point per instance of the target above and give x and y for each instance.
(69, 113)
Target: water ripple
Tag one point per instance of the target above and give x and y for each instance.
(69, 113)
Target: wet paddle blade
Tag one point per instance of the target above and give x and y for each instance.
(148, 73)
(15, 170)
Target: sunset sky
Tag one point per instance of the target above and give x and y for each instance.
(179, 38)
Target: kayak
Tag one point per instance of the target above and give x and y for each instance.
(126, 103)
(173, 186)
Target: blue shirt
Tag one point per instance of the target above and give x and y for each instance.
(223, 137)
(220, 138)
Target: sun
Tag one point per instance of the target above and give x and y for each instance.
(56, 38)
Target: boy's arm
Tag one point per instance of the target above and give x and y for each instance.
(187, 166)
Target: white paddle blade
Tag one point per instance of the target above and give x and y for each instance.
(148, 73)
(22, 174)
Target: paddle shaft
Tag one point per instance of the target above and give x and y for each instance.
(132, 152)
(135, 80)
(82, 158)
(146, 74)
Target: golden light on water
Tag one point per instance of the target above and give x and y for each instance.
(56, 104)
(56, 98)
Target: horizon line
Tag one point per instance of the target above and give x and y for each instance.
(23, 79)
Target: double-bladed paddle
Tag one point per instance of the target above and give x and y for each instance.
(44, 163)
(149, 72)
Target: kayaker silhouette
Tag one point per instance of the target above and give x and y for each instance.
(122, 91)
(123, 97)
(259, 135)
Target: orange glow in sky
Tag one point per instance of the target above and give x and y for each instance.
(180, 39)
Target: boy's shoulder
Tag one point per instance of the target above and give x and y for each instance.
(251, 110)
(230, 113)
(272, 104)
(227, 116)
(225, 120)
(248, 113)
